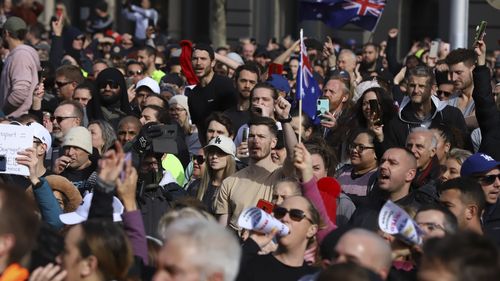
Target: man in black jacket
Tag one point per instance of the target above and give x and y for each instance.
(421, 109)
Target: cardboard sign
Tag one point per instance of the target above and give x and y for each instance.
(12, 140)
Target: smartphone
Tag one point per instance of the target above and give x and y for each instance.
(266, 206)
(322, 107)
(3, 163)
(244, 137)
(433, 53)
(128, 157)
(374, 107)
(480, 32)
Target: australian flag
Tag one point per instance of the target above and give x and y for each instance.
(307, 87)
(337, 13)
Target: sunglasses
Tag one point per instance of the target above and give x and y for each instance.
(200, 159)
(487, 180)
(443, 93)
(295, 214)
(112, 84)
(59, 119)
(133, 73)
(62, 84)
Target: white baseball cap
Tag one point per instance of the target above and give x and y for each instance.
(41, 133)
(82, 212)
(149, 83)
(223, 143)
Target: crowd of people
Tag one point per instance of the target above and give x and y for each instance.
(146, 151)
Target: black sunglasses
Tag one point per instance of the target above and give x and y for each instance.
(62, 84)
(443, 93)
(112, 84)
(200, 159)
(132, 73)
(295, 214)
(59, 119)
(487, 180)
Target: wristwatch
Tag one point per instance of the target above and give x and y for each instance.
(286, 120)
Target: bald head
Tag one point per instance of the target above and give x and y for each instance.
(366, 249)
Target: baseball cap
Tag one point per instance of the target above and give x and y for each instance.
(41, 133)
(478, 163)
(79, 137)
(223, 143)
(234, 56)
(279, 83)
(149, 83)
(14, 24)
(82, 212)
(180, 100)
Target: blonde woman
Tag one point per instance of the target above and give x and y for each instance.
(220, 164)
(179, 111)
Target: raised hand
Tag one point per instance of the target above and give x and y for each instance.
(111, 164)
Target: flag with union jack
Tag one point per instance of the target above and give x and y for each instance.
(307, 87)
(337, 13)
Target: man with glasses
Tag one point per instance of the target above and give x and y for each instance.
(20, 70)
(68, 77)
(421, 109)
(135, 71)
(145, 88)
(486, 171)
(436, 221)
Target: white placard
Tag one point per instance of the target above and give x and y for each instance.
(392, 219)
(13, 139)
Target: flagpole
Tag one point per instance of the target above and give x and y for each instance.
(301, 80)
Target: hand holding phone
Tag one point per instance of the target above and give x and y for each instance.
(480, 32)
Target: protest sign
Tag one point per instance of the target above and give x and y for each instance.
(12, 140)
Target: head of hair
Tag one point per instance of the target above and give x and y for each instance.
(445, 132)
(387, 108)
(87, 85)
(264, 121)
(205, 47)
(410, 158)
(77, 108)
(217, 250)
(37, 30)
(470, 191)
(450, 221)
(466, 56)
(150, 51)
(131, 62)
(209, 173)
(71, 73)
(49, 245)
(221, 118)
(250, 67)
(21, 223)
(107, 131)
(357, 132)
(109, 244)
(161, 114)
(306, 120)
(423, 71)
(130, 119)
(460, 155)
(423, 130)
(345, 84)
(182, 212)
(294, 183)
(347, 272)
(319, 146)
(265, 85)
(371, 44)
(467, 256)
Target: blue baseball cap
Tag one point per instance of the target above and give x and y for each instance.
(279, 83)
(478, 163)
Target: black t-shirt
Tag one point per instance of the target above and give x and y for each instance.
(218, 95)
(238, 118)
(267, 267)
(79, 177)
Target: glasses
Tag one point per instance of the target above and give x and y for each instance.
(294, 214)
(62, 84)
(176, 109)
(487, 180)
(431, 227)
(200, 159)
(80, 38)
(112, 84)
(360, 147)
(59, 119)
(443, 93)
(134, 73)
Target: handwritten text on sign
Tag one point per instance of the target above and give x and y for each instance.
(13, 139)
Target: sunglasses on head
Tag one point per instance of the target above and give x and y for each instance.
(294, 214)
(112, 84)
(487, 180)
(200, 159)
